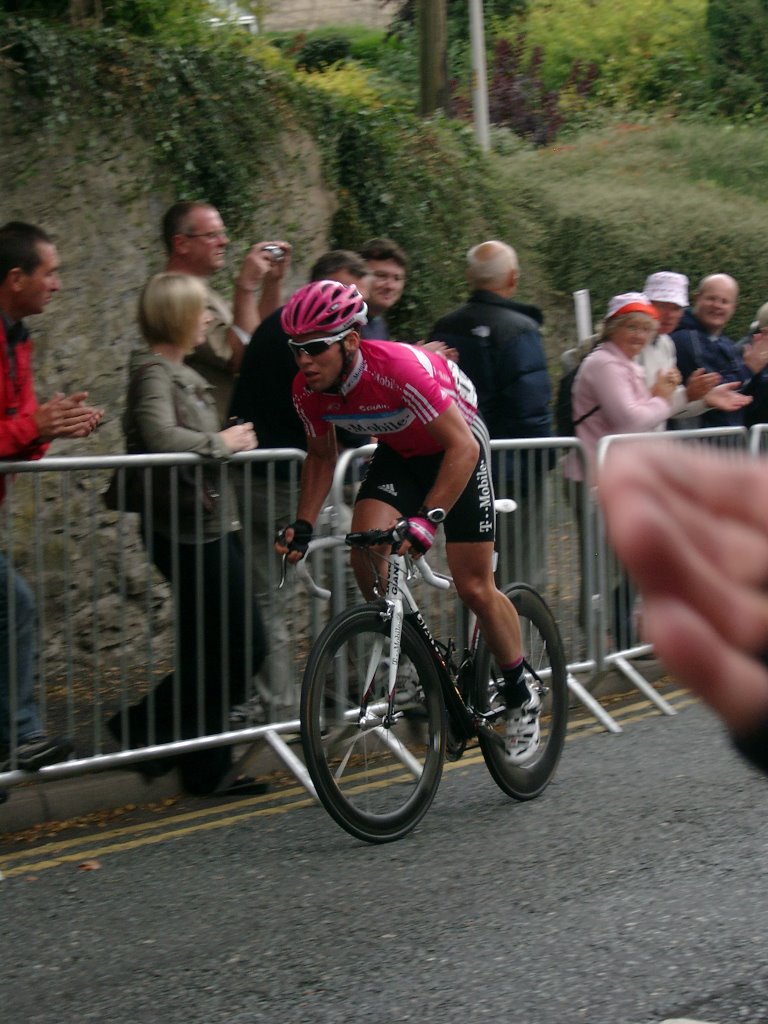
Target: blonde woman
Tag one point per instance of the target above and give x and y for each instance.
(170, 408)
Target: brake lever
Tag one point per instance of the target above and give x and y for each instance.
(283, 570)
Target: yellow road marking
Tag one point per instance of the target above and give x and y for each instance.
(148, 840)
(290, 798)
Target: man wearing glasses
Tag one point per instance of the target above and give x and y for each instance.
(387, 264)
(196, 242)
(431, 466)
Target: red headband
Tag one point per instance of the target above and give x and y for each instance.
(635, 307)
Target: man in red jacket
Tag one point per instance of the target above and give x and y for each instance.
(29, 277)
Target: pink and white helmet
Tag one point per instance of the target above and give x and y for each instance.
(327, 307)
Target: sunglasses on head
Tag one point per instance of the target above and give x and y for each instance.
(318, 346)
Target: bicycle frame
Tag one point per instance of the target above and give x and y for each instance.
(399, 606)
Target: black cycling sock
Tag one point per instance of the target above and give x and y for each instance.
(515, 688)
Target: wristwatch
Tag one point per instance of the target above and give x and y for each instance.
(432, 515)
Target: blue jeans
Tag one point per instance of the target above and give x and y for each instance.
(18, 641)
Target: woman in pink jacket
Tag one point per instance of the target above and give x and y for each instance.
(610, 396)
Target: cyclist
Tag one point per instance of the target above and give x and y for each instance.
(431, 465)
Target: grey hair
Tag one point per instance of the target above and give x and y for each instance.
(493, 270)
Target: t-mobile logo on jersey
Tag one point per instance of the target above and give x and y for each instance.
(486, 497)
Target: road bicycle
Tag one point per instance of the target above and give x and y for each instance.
(383, 703)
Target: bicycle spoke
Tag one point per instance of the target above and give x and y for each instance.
(375, 758)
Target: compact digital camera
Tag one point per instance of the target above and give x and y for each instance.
(276, 252)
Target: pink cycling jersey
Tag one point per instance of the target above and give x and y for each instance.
(393, 391)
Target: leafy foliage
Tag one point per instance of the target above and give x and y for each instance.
(180, 20)
(645, 50)
(213, 121)
(401, 177)
(518, 98)
(738, 35)
(619, 203)
(321, 52)
(187, 105)
(458, 16)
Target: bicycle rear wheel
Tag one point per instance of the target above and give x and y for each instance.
(543, 651)
(376, 773)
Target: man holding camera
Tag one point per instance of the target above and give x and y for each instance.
(196, 242)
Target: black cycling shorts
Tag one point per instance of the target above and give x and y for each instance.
(404, 484)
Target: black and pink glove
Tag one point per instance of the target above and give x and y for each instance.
(419, 531)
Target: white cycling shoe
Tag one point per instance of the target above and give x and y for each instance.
(523, 730)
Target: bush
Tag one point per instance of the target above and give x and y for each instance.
(426, 187)
(637, 45)
(458, 16)
(621, 203)
(321, 52)
(179, 20)
(192, 107)
(738, 36)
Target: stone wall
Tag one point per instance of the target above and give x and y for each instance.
(103, 203)
(103, 207)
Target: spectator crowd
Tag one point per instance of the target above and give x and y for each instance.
(214, 375)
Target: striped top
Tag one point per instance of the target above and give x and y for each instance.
(393, 391)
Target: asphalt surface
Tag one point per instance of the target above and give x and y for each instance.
(44, 800)
(630, 893)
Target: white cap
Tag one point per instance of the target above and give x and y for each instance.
(630, 302)
(667, 286)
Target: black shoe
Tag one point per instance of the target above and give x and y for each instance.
(34, 754)
(4, 794)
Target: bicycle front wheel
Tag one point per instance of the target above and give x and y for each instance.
(543, 651)
(376, 764)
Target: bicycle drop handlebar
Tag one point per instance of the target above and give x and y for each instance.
(364, 539)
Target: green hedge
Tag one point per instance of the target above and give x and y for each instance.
(615, 206)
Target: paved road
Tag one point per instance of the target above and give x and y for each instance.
(633, 891)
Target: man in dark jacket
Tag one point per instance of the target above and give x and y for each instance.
(499, 348)
(700, 342)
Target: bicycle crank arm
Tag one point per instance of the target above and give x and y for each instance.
(484, 729)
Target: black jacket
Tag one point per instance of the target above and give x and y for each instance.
(500, 350)
(717, 355)
(262, 394)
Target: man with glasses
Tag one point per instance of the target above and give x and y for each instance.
(431, 466)
(387, 264)
(196, 242)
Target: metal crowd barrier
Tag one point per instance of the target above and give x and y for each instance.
(616, 649)
(106, 615)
